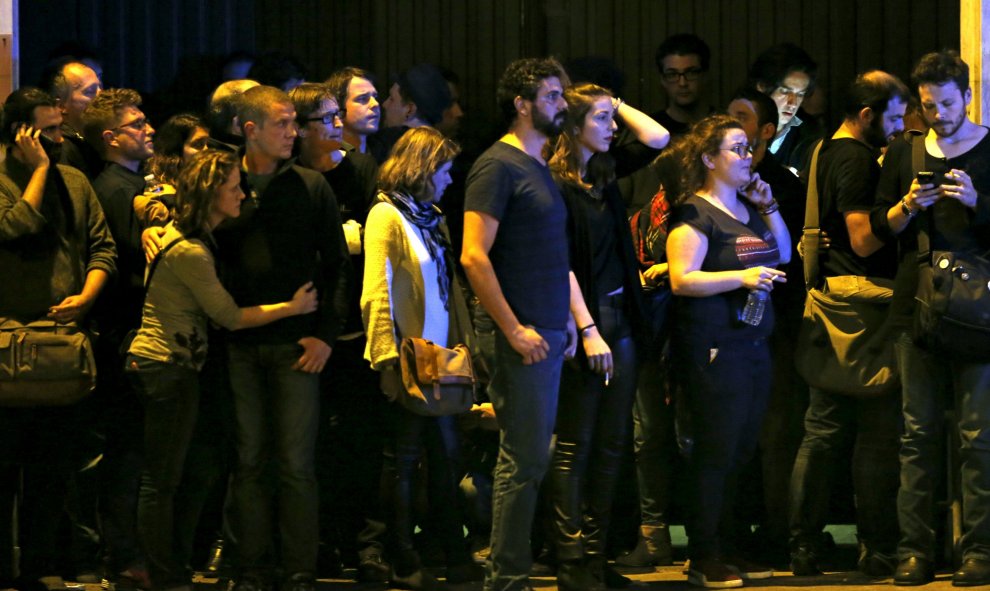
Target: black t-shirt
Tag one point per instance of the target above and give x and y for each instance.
(847, 178)
(529, 254)
(121, 303)
(954, 226)
(732, 246)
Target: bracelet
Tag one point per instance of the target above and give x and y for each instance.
(584, 328)
(907, 210)
(771, 207)
(616, 103)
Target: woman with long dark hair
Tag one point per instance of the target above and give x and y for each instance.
(409, 291)
(176, 142)
(727, 237)
(165, 357)
(598, 385)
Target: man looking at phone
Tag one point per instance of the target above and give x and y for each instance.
(955, 207)
(847, 174)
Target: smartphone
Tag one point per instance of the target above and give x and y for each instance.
(927, 177)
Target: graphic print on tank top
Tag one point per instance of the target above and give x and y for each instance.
(754, 251)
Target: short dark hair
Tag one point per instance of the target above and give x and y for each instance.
(522, 78)
(104, 113)
(941, 67)
(306, 98)
(766, 109)
(873, 89)
(683, 44)
(774, 64)
(19, 108)
(257, 103)
(340, 81)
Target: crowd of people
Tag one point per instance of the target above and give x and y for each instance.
(631, 285)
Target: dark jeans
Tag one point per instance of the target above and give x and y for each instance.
(654, 440)
(171, 398)
(783, 428)
(931, 383)
(726, 386)
(349, 453)
(592, 430)
(278, 411)
(37, 444)
(525, 402)
(872, 426)
(412, 435)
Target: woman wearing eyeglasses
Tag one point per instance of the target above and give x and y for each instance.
(727, 237)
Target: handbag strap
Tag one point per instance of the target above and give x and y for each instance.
(158, 258)
(925, 217)
(812, 230)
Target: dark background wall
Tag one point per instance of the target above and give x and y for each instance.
(172, 47)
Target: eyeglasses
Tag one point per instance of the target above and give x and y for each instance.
(741, 150)
(326, 119)
(789, 92)
(137, 125)
(689, 75)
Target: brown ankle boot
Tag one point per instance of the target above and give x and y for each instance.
(653, 548)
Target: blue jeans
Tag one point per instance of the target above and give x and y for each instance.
(525, 402)
(277, 410)
(170, 394)
(726, 386)
(932, 383)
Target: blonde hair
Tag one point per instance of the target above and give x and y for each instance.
(199, 182)
(414, 159)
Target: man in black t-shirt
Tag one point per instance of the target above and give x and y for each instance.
(682, 61)
(515, 257)
(958, 211)
(846, 176)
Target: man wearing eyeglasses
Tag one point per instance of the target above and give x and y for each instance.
(350, 422)
(847, 176)
(115, 127)
(787, 73)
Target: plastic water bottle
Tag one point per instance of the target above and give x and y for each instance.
(756, 304)
(151, 184)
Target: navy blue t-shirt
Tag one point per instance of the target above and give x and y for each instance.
(529, 254)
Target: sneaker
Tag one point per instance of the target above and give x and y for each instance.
(747, 569)
(804, 562)
(373, 569)
(712, 573)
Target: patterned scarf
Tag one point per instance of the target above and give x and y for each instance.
(427, 217)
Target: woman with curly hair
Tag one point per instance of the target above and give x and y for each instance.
(726, 239)
(164, 359)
